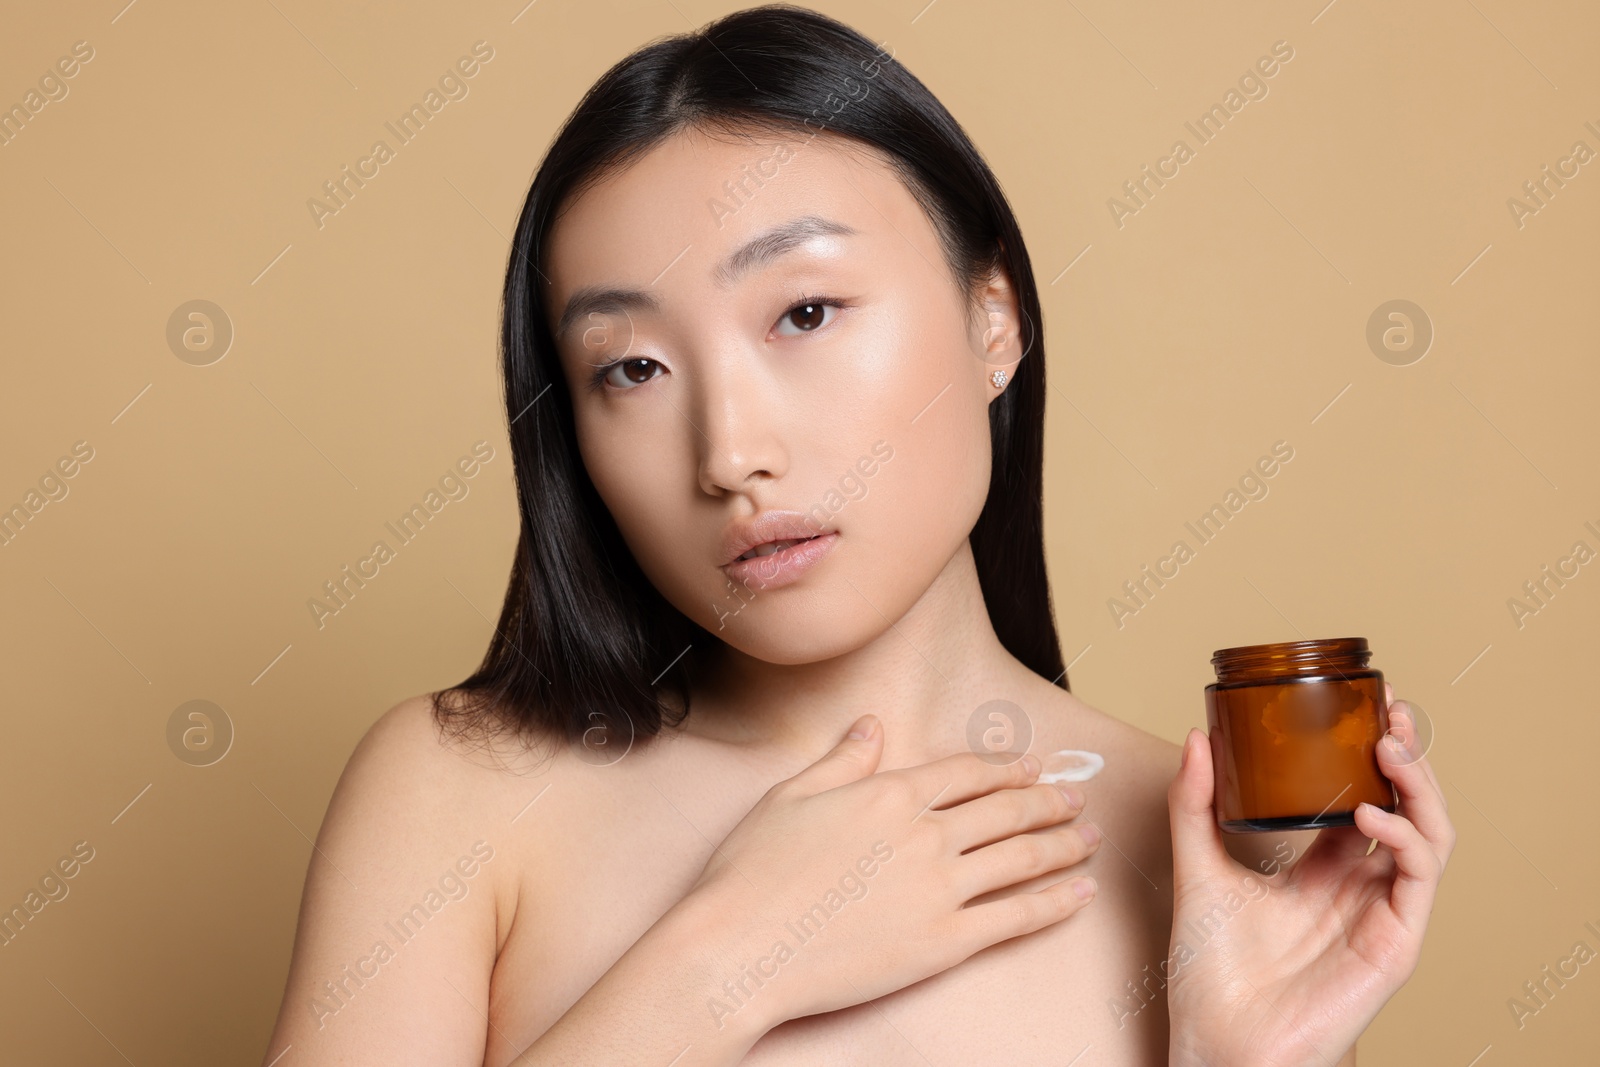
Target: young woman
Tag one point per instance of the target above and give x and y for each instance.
(740, 779)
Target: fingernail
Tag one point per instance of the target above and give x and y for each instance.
(1373, 809)
(1030, 763)
(1183, 760)
(1084, 887)
(863, 728)
(1072, 794)
(1090, 832)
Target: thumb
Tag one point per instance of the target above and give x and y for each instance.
(853, 758)
(1196, 837)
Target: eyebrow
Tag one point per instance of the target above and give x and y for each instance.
(753, 254)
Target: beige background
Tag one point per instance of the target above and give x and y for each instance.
(1229, 313)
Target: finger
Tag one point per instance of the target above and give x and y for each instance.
(1403, 721)
(1421, 800)
(1417, 866)
(1335, 852)
(957, 779)
(852, 759)
(1024, 856)
(980, 925)
(1197, 848)
(999, 815)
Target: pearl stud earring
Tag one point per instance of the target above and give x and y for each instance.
(999, 379)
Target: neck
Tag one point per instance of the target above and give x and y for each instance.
(923, 677)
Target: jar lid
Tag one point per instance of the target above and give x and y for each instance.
(1293, 657)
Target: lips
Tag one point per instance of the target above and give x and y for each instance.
(764, 534)
(770, 566)
(770, 547)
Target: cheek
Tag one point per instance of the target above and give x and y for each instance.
(915, 385)
(623, 476)
(920, 504)
(933, 411)
(928, 496)
(647, 491)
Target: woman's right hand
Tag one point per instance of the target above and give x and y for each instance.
(842, 885)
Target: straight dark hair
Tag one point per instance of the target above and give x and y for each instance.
(584, 642)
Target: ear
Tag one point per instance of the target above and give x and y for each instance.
(1002, 332)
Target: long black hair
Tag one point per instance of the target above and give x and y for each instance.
(584, 641)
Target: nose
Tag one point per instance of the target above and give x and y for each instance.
(737, 413)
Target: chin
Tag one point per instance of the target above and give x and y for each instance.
(792, 637)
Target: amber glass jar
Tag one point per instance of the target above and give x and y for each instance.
(1294, 735)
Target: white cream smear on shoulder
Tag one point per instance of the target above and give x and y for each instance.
(1071, 765)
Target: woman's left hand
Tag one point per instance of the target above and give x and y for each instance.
(1295, 967)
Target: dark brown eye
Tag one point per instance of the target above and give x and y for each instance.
(635, 371)
(806, 317)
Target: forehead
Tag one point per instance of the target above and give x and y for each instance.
(676, 216)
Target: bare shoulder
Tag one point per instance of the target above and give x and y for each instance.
(409, 886)
(411, 776)
(1123, 772)
(1136, 766)
(406, 749)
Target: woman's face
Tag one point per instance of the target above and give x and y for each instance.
(794, 342)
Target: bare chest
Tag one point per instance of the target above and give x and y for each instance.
(1088, 986)
(1059, 996)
